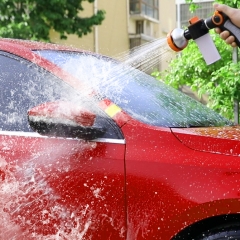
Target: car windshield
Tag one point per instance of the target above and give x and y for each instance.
(138, 94)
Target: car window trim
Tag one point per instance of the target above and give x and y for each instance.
(37, 135)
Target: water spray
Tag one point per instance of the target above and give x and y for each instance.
(198, 30)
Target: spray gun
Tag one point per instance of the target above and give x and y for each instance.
(198, 30)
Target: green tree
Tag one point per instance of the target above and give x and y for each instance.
(231, 3)
(220, 81)
(33, 19)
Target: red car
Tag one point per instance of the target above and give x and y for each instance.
(91, 148)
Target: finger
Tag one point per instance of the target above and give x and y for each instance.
(218, 30)
(230, 40)
(234, 44)
(224, 35)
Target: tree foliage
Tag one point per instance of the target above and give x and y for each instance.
(231, 3)
(220, 81)
(33, 19)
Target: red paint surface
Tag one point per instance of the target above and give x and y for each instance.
(171, 186)
(62, 186)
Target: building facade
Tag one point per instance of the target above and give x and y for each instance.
(111, 37)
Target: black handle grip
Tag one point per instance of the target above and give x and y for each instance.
(233, 29)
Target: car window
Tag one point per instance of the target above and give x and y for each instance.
(24, 85)
(140, 95)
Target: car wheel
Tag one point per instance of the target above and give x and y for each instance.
(222, 233)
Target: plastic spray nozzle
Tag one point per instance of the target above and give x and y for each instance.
(198, 30)
(176, 40)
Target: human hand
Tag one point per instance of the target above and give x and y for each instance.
(234, 16)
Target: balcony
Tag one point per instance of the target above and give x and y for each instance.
(139, 39)
(144, 10)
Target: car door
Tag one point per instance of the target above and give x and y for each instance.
(55, 187)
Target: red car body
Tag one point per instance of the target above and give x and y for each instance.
(154, 182)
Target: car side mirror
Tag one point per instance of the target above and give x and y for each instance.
(64, 119)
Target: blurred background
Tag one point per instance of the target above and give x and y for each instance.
(131, 23)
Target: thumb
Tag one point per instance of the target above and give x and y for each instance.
(223, 8)
(232, 13)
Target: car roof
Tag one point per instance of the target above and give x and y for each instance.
(36, 45)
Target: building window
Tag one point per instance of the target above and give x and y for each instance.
(149, 8)
(139, 27)
(205, 10)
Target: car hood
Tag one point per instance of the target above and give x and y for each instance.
(220, 140)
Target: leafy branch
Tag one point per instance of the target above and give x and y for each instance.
(33, 19)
